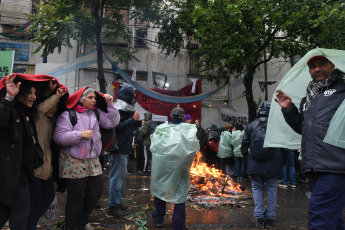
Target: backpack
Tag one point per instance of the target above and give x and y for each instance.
(108, 136)
(153, 127)
(257, 150)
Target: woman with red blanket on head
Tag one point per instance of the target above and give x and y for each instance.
(20, 152)
(78, 161)
(42, 191)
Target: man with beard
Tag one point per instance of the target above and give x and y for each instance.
(325, 163)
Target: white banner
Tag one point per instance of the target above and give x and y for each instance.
(233, 116)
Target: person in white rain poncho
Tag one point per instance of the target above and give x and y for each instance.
(173, 147)
(323, 161)
(225, 153)
(240, 160)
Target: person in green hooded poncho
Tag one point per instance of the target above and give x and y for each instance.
(173, 147)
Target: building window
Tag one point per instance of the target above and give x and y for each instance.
(140, 37)
(140, 75)
(193, 69)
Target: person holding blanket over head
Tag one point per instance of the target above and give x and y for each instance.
(42, 191)
(173, 147)
(78, 161)
(20, 152)
(324, 162)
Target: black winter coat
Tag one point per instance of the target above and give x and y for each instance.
(318, 156)
(201, 135)
(16, 166)
(125, 130)
(272, 167)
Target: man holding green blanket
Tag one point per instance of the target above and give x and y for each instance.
(324, 162)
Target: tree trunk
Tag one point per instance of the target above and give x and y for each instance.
(98, 14)
(248, 83)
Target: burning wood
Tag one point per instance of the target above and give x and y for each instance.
(209, 186)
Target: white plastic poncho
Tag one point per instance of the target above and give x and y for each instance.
(224, 148)
(173, 149)
(294, 84)
(236, 141)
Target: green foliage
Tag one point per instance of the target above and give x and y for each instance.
(59, 22)
(56, 23)
(237, 35)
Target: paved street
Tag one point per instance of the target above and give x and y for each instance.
(292, 209)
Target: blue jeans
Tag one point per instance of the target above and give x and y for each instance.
(289, 169)
(327, 201)
(258, 184)
(240, 165)
(179, 214)
(118, 177)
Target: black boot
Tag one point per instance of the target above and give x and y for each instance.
(116, 212)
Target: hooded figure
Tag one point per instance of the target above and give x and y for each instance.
(125, 129)
(148, 128)
(119, 158)
(174, 146)
(264, 172)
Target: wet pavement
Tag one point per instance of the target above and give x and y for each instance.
(292, 209)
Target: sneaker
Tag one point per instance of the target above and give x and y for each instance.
(147, 173)
(293, 186)
(268, 223)
(283, 186)
(260, 223)
(88, 227)
(123, 206)
(116, 212)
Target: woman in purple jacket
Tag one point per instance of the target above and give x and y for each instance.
(78, 161)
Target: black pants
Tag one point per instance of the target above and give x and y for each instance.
(148, 154)
(140, 157)
(18, 212)
(42, 194)
(82, 197)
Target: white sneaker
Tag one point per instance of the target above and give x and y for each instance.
(88, 227)
(283, 186)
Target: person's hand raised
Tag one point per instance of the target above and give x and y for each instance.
(12, 88)
(60, 92)
(109, 99)
(136, 115)
(283, 100)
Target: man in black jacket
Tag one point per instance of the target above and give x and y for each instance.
(324, 162)
(264, 166)
(119, 158)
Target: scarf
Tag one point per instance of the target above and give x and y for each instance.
(81, 109)
(314, 88)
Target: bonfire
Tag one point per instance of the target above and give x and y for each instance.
(211, 185)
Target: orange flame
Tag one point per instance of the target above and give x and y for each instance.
(217, 183)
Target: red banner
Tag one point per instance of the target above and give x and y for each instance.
(159, 107)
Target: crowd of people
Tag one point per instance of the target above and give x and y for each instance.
(38, 126)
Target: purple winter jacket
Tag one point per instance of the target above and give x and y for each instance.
(69, 136)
